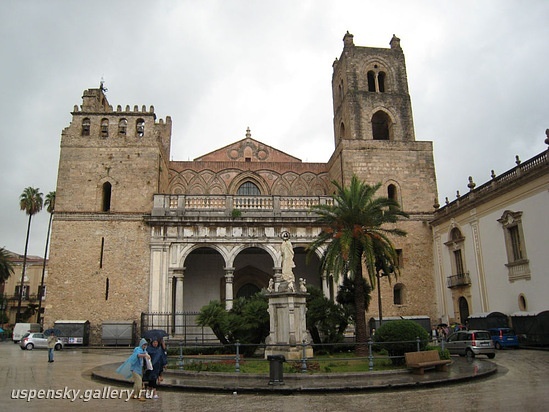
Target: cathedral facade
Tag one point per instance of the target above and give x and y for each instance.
(135, 233)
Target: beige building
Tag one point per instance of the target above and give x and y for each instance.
(490, 245)
(137, 237)
(31, 288)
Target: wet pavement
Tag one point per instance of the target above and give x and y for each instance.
(521, 382)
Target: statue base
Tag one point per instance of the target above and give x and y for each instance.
(288, 327)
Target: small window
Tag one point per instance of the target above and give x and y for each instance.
(400, 259)
(104, 127)
(86, 127)
(342, 130)
(371, 81)
(140, 127)
(25, 291)
(522, 302)
(107, 188)
(248, 189)
(381, 81)
(398, 294)
(122, 127)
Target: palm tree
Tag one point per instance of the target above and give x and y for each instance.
(49, 203)
(31, 202)
(6, 266)
(354, 234)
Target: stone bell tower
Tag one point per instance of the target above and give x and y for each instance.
(111, 163)
(375, 139)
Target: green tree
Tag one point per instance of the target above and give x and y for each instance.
(355, 231)
(326, 321)
(6, 266)
(214, 316)
(49, 204)
(31, 202)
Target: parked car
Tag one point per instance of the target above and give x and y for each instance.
(504, 337)
(471, 343)
(30, 341)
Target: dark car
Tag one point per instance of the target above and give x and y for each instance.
(504, 337)
(471, 343)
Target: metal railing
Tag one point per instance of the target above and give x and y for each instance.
(461, 279)
(234, 354)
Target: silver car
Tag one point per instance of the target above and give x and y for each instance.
(470, 343)
(30, 341)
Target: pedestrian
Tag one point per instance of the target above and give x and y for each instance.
(434, 335)
(156, 352)
(133, 368)
(52, 340)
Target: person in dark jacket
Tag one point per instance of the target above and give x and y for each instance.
(156, 352)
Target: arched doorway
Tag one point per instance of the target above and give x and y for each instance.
(463, 309)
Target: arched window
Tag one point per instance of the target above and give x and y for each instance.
(104, 127)
(107, 188)
(140, 127)
(371, 81)
(122, 127)
(248, 189)
(380, 126)
(381, 81)
(86, 127)
(342, 131)
(392, 192)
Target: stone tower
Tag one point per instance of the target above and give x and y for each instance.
(111, 163)
(374, 139)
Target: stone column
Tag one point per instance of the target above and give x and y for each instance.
(229, 288)
(178, 318)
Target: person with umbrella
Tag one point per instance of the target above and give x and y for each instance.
(156, 352)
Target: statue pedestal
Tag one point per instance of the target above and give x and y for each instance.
(288, 326)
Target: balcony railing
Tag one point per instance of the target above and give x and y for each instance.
(223, 205)
(461, 279)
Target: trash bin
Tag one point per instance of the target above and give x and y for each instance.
(276, 371)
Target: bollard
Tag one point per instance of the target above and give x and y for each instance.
(304, 357)
(237, 358)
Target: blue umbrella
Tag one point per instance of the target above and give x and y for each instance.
(1, 330)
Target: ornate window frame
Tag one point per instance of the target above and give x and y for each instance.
(515, 246)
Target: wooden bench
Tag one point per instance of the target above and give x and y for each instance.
(419, 361)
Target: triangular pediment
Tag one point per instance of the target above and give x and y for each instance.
(247, 150)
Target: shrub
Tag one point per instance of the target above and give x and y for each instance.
(399, 337)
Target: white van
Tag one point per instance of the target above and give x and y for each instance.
(21, 328)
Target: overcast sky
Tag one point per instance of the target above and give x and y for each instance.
(477, 74)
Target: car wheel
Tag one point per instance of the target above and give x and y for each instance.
(58, 346)
(469, 353)
(491, 355)
(498, 346)
(29, 346)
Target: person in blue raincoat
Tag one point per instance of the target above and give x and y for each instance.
(133, 367)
